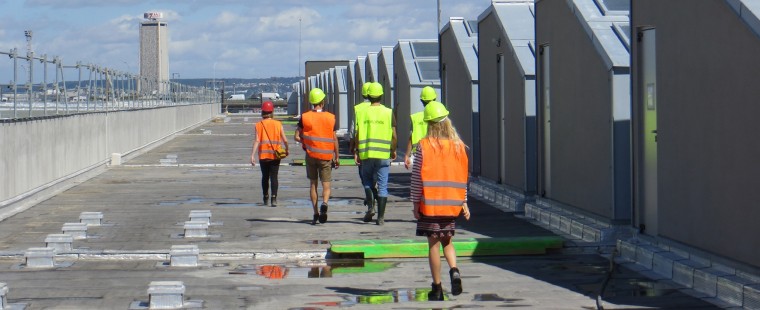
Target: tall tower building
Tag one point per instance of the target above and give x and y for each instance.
(154, 53)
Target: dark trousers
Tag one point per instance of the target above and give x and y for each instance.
(269, 170)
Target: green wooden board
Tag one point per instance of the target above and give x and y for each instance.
(464, 247)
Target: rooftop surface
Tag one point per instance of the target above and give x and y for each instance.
(261, 257)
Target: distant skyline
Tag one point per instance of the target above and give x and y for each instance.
(221, 38)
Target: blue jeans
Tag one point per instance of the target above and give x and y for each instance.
(376, 171)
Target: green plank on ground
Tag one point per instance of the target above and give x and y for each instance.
(464, 247)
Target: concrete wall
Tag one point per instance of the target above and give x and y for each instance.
(580, 114)
(488, 29)
(707, 97)
(459, 84)
(313, 69)
(402, 92)
(385, 75)
(38, 153)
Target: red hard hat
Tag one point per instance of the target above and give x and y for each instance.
(267, 106)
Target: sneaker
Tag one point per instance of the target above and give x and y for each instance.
(456, 281)
(274, 201)
(436, 293)
(266, 200)
(314, 220)
(323, 213)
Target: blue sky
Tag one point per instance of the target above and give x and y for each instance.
(220, 38)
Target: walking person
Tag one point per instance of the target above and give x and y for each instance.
(270, 138)
(440, 195)
(376, 147)
(316, 133)
(352, 147)
(419, 126)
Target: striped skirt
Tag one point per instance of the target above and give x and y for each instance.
(436, 227)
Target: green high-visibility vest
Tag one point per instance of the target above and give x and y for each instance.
(419, 129)
(357, 110)
(374, 124)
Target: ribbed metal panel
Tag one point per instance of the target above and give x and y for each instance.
(683, 272)
(731, 289)
(627, 251)
(706, 281)
(752, 297)
(662, 263)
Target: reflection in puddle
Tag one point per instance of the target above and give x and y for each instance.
(321, 269)
(197, 200)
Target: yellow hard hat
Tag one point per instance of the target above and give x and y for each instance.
(375, 90)
(316, 96)
(435, 112)
(365, 88)
(428, 93)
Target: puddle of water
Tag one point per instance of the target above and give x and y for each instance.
(319, 269)
(239, 205)
(493, 297)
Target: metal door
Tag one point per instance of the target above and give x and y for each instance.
(544, 61)
(648, 134)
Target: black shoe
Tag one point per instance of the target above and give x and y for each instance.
(436, 294)
(314, 220)
(266, 200)
(456, 281)
(368, 217)
(323, 213)
(274, 201)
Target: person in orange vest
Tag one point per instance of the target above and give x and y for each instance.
(439, 194)
(316, 133)
(269, 136)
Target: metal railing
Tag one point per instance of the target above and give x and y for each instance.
(96, 88)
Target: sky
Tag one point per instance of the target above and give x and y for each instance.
(219, 38)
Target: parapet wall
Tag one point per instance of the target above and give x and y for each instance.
(38, 153)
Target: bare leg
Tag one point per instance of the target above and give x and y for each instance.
(449, 252)
(325, 192)
(434, 258)
(313, 194)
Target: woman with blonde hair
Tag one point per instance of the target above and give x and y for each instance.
(439, 193)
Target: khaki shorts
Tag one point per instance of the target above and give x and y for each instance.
(317, 167)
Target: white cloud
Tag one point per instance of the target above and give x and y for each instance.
(245, 38)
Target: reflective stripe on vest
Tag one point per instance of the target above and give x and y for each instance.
(375, 128)
(318, 134)
(274, 131)
(444, 177)
(419, 129)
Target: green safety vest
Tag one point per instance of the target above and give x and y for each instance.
(357, 110)
(419, 129)
(374, 124)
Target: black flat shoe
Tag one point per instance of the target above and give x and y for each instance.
(456, 281)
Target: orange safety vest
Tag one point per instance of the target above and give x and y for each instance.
(269, 134)
(318, 135)
(444, 183)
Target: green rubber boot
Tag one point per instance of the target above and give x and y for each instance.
(381, 201)
(370, 203)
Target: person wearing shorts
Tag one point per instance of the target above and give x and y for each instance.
(316, 133)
